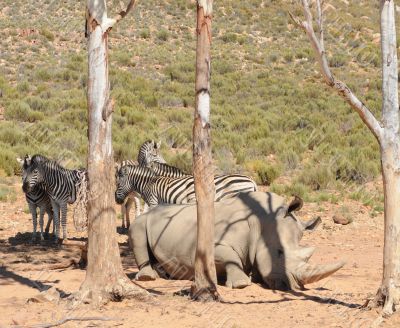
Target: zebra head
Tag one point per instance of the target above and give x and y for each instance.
(31, 173)
(149, 152)
(123, 183)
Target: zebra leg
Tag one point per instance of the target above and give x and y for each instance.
(63, 208)
(41, 215)
(123, 210)
(32, 209)
(49, 219)
(56, 220)
(128, 206)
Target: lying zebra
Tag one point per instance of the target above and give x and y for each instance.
(156, 189)
(37, 198)
(60, 184)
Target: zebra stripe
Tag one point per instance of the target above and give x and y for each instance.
(166, 170)
(132, 198)
(149, 152)
(38, 198)
(60, 185)
(157, 189)
(158, 168)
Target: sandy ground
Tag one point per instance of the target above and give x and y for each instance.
(333, 302)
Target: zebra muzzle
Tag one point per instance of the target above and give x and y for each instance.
(26, 187)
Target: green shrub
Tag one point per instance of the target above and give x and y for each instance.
(337, 60)
(162, 35)
(145, 33)
(229, 37)
(47, 34)
(23, 87)
(7, 194)
(289, 159)
(317, 177)
(266, 173)
(21, 111)
(8, 162)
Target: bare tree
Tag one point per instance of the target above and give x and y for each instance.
(105, 279)
(386, 132)
(205, 283)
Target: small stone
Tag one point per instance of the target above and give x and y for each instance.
(340, 219)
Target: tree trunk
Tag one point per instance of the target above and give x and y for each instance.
(389, 293)
(205, 283)
(387, 133)
(105, 279)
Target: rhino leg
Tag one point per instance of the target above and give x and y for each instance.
(235, 276)
(138, 241)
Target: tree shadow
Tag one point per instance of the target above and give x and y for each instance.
(7, 275)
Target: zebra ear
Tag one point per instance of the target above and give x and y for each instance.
(20, 161)
(157, 145)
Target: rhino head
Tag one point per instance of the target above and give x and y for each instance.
(280, 262)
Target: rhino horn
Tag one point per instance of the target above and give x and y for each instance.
(305, 253)
(309, 273)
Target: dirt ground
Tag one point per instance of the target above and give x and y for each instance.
(333, 302)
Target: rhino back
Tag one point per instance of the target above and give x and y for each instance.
(172, 230)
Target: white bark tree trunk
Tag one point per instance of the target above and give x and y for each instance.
(105, 279)
(386, 132)
(205, 283)
(389, 293)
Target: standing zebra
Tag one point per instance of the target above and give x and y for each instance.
(132, 197)
(149, 152)
(157, 189)
(60, 183)
(37, 198)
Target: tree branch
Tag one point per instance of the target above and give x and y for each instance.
(319, 49)
(125, 12)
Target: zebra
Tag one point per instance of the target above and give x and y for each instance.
(37, 198)
(149, 152)
(60, 183)
(132, 197)
(148, 155)
(157, 189)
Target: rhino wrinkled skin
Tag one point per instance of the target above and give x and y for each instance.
(256, 235)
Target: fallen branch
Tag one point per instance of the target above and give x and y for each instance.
(62, 321)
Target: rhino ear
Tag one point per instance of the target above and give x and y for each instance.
(295, 205)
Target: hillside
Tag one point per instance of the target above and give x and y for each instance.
(271, 115)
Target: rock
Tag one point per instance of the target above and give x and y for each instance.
(50, 295)
(340, 219)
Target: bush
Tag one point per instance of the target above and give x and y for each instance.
(317, 176)
(20, 111)
(289, 159)
(8, 162)
(145, 33)
(7, 194)
(337, 60)
(266, 173)
(162, 35)
(47, 34)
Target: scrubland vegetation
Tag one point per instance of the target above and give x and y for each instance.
(271, 116)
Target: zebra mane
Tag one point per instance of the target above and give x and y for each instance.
(40, 160)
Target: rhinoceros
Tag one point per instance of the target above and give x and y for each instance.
(256, 234)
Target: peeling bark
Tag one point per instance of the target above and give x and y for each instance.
(205, 283)
(387, 134)
(105, 279)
